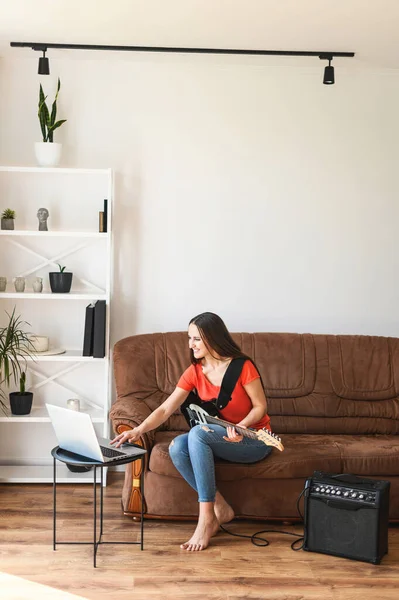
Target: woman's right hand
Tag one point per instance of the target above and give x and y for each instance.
(127, 436)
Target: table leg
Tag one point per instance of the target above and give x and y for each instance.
(102, 503)
(95, 517)
(54, 501)
(142, 504)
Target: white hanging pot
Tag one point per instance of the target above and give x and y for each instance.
(48, 154)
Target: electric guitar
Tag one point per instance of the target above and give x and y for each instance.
(201, 417)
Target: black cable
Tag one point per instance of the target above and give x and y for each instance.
(262, 541)
(255, 538)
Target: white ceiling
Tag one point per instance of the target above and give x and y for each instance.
(368, 27)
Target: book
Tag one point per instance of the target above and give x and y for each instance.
(99, 329)
(101, 222)
(105, 218)
(88, 332)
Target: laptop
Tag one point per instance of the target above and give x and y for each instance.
(75, 433)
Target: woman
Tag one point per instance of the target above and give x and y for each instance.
(211, 349)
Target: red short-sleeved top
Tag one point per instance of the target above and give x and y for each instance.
(240, 403)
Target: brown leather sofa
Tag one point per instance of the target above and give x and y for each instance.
(332, 399)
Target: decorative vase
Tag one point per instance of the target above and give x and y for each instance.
(38, 343)
(19, 284)
(37, 285)
(47, 154)
(3, 284)
(60, 283)
(21, 404)
(7, 224)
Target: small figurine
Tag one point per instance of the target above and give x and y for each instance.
(19, 284)
(37, 285)
(43, 214)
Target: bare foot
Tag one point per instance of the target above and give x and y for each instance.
(202, 535)
(223, 511)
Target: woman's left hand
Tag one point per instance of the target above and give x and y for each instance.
(232, 435)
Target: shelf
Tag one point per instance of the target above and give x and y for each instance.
(37, 233)
(68, 356)
(44, 474)
(58, 170)
(40, 415)
(75, 196)
(51, 296)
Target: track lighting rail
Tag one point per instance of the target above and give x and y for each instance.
(44, 66)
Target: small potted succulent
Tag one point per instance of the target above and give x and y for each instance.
(7, 219)
(47, 152)
(60, 281)
(21, 402)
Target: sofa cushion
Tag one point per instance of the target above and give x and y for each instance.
(287, 363)
(364, 455)
(302, 455)
(361, 367)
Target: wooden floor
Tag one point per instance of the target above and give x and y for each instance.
(229, 568)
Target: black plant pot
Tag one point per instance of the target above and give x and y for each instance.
(60, 283)
(21, 404)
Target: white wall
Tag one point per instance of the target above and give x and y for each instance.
(252, 191)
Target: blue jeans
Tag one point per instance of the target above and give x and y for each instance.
(193, 455)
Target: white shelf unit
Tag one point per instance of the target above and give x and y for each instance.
(74, 197)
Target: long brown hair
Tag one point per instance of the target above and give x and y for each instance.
(216, 337)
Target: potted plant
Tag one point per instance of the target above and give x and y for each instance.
(7, 218)
(15, 348)
(21, 402)
(60, 281)
(47, 152)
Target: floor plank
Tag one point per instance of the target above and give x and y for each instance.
(230, 569)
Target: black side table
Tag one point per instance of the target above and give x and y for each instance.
(78, 461)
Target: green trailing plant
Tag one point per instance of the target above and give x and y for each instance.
(8, 214)
(62, 269)
(48, 121)
(15, 348)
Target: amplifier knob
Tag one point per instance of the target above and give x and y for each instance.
(317, 489)
(346, 494)
(328, 490)
(354, 495)
(333, 491)
(338, 492)
(322, 490)
(361, 496)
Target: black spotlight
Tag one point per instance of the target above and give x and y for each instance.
(44, 65)
(328, 78)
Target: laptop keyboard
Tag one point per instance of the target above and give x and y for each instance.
(110, 453)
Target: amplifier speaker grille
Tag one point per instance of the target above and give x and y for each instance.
(345, 527)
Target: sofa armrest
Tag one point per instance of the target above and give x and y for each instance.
(128, 412)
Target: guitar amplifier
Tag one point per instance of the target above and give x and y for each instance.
(346, 516)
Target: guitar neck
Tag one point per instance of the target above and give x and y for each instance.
(245, 432)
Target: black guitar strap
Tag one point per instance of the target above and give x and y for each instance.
(229, 382)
